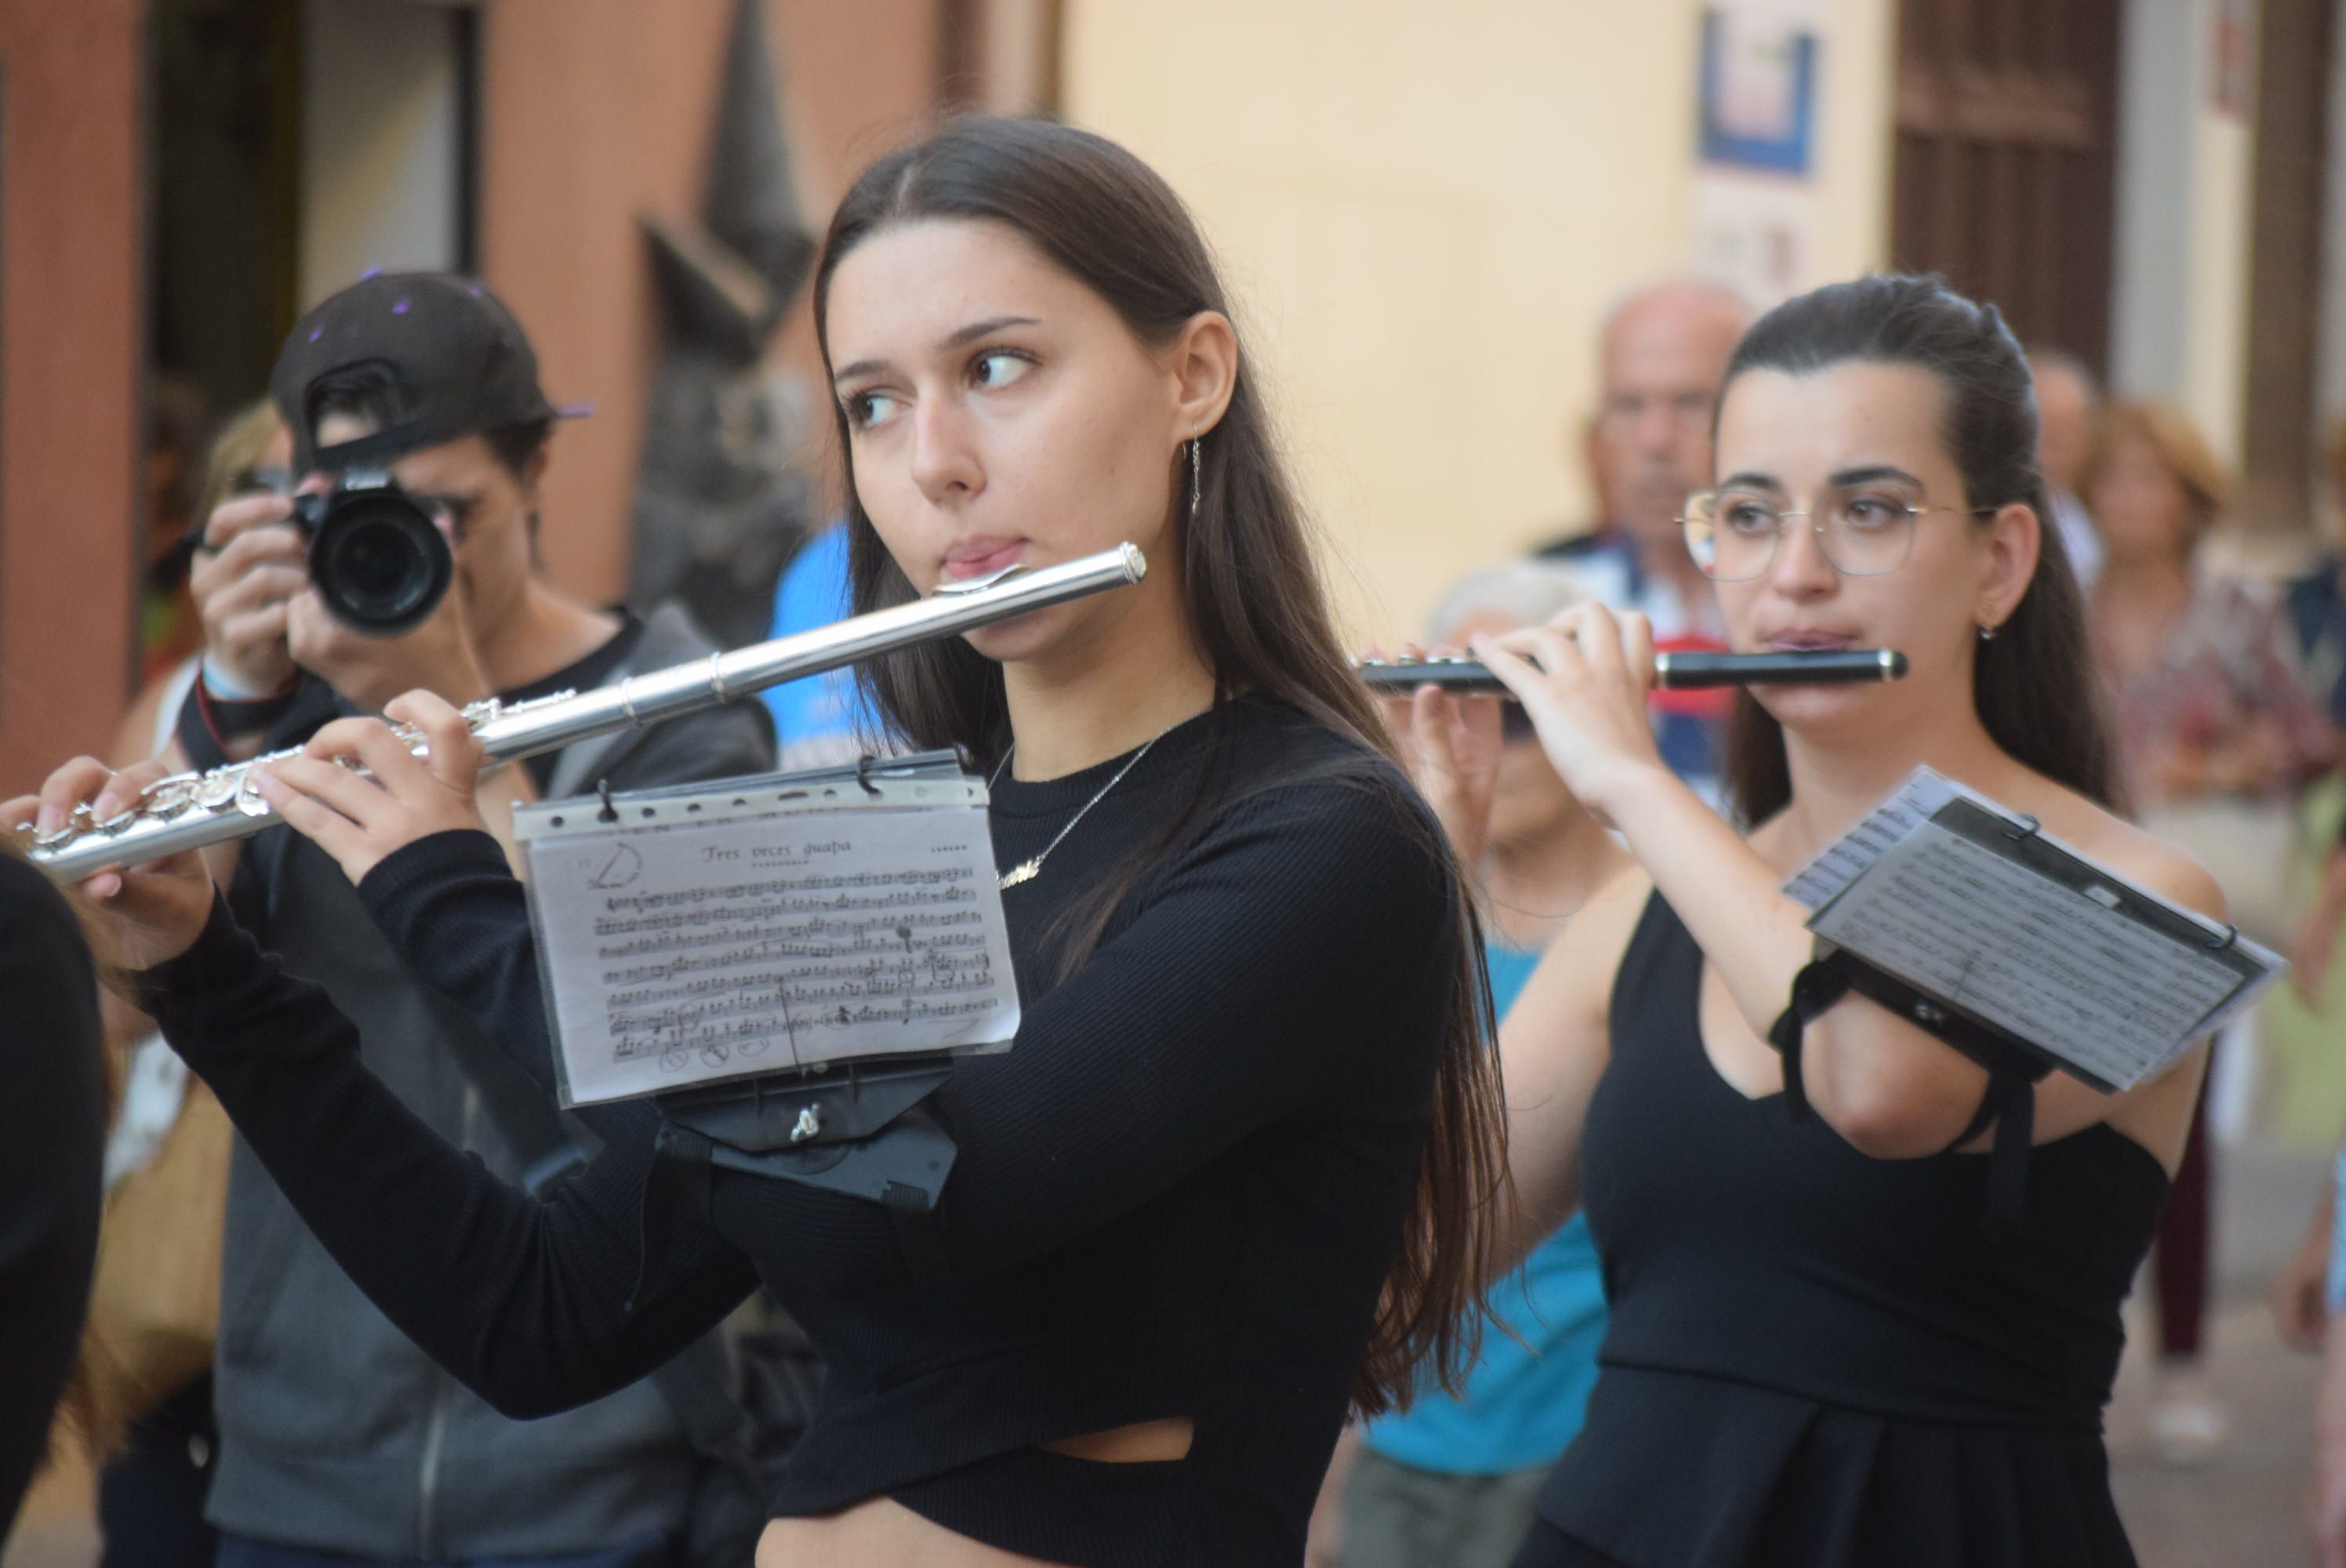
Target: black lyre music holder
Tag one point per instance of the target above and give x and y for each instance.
(852, 1127)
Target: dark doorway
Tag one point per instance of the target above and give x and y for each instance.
(2005, 169)
(289, 146)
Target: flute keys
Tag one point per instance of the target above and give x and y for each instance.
(248, 799)
(217, 791)
(170, 796)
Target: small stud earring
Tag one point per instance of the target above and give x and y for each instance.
(1986, 633)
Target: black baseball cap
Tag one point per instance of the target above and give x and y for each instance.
(462, 360)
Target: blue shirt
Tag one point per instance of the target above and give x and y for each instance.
(819, 720)
(1522, 1402)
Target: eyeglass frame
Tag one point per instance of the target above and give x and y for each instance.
(1914, 513)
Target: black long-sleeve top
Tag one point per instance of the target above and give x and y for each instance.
(1177, 1195)
(52, 1144)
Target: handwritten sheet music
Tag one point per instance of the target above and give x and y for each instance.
(2106, 976)
(720, 941)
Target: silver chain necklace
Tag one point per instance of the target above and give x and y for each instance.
(1027, 870)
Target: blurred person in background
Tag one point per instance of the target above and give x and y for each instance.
(823, 718)
(2317, 609)
(2068, 405)
(177, 427)
(52, 1139)
(2326, 1499)
(338, 1439)
(1450, 1481)
(2302, 1296)
(2216, 731)
(154, 1308)
(1660, 359)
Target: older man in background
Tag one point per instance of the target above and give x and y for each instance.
(2068, 407)
(1661, 359)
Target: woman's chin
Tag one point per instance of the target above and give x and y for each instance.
(1020, 639)
(1819, 712)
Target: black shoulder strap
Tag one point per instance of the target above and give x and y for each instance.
(2009, 1101)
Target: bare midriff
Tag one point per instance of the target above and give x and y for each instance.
(881, 1533)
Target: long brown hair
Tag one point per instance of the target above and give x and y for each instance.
(2034, 685)
(1256, 607)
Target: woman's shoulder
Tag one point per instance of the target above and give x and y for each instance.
(2101, 834)
(1324, 795)
(1281, 754)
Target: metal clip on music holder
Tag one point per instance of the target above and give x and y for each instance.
(858, 1129)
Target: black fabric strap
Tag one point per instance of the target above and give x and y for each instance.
(2009, 1101)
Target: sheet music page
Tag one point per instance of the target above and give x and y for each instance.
(686, 953)
(1841, 863)
(2053, 964)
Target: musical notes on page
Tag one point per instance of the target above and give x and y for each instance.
(685, 952)
(1981, 910)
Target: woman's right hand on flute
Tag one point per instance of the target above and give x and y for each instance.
(362, 796)
(154, 911)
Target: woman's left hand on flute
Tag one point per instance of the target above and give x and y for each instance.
(1890, 1089)
(362, 820)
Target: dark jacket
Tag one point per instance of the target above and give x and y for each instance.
(336, 1433)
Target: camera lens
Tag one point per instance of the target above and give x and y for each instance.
(378, 561)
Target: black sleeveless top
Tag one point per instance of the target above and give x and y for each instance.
(1821, 1358)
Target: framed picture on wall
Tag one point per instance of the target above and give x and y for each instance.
(1757, 97)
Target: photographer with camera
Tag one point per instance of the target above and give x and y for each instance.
(406, 556)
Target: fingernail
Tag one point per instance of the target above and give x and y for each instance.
(49, 819)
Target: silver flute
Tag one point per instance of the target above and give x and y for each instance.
(189, 811)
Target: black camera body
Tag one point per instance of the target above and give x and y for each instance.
(376, 558)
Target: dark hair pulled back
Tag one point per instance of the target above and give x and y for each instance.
(2035, 684)
(1257, 608)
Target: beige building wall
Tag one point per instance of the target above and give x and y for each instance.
(1426, 207)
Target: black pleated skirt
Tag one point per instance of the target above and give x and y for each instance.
(1680, 1470)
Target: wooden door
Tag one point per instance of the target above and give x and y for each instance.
(2004, 169)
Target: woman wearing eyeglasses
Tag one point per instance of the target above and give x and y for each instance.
(1820, 1352)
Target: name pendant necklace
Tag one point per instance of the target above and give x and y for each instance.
(1027, 870)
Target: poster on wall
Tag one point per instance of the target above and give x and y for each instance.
(1758, 88)
(1757, 77)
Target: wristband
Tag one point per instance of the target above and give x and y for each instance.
(227, 689)
(228, 719)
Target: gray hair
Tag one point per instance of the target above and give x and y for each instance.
(1528, 591)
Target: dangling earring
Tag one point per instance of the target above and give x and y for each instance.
(1197, 476)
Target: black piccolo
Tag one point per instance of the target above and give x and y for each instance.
(1672, 671)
